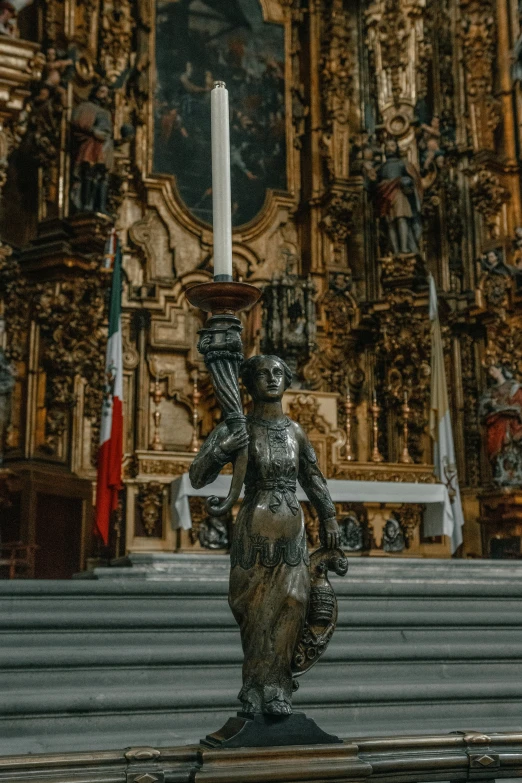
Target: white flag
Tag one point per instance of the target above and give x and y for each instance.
(440, 425)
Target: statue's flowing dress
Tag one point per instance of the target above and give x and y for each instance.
(269, 578)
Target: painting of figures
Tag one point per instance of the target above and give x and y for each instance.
(199, 42)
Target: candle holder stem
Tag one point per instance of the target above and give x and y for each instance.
(221, 347)
(405, 457)
(375, 411)
(349, 407)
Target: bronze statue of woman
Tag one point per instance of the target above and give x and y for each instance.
(269, 578)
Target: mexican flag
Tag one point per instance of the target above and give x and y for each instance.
(440, 429)
(110, 454)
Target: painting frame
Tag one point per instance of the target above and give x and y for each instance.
(273, 11)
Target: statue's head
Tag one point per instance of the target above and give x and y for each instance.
(501, 373)
(392, 527)
(391, 148)
(100, 94)
(266, 377)
(492, 258)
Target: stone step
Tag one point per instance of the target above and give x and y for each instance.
(133, 660)
(182, 651)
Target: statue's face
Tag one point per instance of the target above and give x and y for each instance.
(391, 528)
(496, 373)
(102, 94)
(269, 382)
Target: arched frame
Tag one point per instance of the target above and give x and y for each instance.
(277, 203)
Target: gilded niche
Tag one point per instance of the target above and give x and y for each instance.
(198, 43)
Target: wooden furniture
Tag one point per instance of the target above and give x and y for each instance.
(17, 559)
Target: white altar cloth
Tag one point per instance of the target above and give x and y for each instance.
(438, 516)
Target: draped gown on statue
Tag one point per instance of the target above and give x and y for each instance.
(269, 577)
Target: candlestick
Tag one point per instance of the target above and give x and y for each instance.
(157, 396)
(406, 410)
(196, 396)
(220, 344)
(349, 407)
(221, 196)
(376, 409)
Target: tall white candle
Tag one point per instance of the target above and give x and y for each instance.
(221, 198)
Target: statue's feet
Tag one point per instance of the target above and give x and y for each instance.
(250, 700)
(248, 707)
(278, 707)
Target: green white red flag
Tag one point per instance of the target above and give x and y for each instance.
(110, 454)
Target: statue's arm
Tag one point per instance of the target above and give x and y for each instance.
(210, 459)
(314, 484)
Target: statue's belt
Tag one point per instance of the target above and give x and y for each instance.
(268, 553)
(281, 489)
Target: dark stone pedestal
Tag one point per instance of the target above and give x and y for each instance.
(265, 731)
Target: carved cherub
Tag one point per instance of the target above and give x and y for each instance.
(54, 72)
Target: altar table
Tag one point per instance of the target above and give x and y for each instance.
(438, 517)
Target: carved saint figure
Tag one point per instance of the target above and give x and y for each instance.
(92, 129)
(399, 193)
(213, 533)
(270, 578)
(393, 539)
(493, 263)
(351, 534)
(501, 410)
(54, 74)
(431, 155)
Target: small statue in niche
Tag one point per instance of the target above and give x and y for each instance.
(393, 539)
(213, 533)
(431, 155)
(364, 157)
(351, 534)
(501, 412)
(55, 74)
(7, 382)
(398, 201)
(93, 152)
(270, 577)
(493, 263)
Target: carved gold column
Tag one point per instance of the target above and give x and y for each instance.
(504, 64)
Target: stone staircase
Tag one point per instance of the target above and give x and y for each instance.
(150, 655)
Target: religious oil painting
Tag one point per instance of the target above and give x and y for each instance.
(199, 42)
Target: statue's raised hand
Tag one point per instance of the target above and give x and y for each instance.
(329, 534)
(234, 441)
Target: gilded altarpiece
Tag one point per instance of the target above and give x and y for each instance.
(372, 143)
